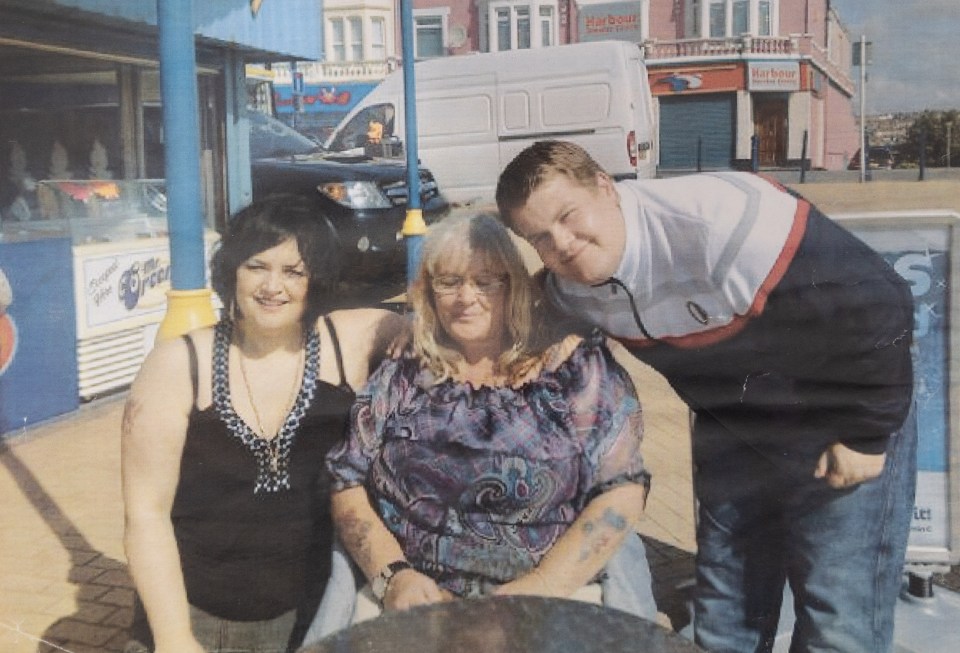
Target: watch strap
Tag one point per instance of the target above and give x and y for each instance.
(380, 584)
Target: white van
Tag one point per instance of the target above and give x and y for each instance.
(476, 112)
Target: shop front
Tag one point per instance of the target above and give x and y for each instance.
(698, 116)
(82, 160)
(710, 114)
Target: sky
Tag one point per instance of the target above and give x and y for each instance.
(916, 52)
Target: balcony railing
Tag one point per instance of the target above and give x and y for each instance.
(748, 47)
(319, 72)
(723, 47)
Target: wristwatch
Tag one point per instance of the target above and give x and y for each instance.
(381, 581)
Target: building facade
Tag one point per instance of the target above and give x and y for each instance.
(725, 71)
(730, 78)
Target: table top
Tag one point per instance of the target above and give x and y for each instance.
(507, 624)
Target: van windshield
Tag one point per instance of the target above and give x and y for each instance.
(371, 125)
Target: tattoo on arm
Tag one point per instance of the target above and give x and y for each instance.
(597, 534)
(354, 532)
(131, 410)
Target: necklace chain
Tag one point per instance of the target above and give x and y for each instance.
(273, 444)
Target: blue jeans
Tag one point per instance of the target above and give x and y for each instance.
(764, 519)
(218, 635)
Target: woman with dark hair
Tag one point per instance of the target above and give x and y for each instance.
(491, 460)
(228, 530)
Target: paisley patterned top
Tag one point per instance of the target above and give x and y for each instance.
(477, 484)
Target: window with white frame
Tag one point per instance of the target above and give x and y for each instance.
(430, 33)
(378, 39)
(726, 18)
(338, 50)
(355, 38)
(765, 27)
(346, 38)
(547, 25)
(519, 24)
(718, 18)
(741, 17)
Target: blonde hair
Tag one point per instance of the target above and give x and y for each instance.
(448, 245)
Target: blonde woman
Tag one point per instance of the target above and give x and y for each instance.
(488, 461)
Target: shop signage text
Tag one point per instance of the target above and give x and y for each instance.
(773, 76)
(614, 20)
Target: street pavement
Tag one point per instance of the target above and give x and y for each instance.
(63, 579)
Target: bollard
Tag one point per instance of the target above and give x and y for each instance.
(755, 153)
(867, 174)
(803, 159)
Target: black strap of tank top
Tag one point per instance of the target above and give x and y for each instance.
(336, 351)
(194, 375)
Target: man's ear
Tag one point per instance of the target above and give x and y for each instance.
(605, 184)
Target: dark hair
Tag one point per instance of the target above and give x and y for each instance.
(536, 164)
(266, 223)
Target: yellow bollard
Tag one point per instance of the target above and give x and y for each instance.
(186, 310)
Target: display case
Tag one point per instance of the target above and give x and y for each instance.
(120, 268)
(94, 211)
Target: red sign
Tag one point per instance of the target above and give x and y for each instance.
(696, 80)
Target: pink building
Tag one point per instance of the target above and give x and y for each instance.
(726, 70)
(722, 71)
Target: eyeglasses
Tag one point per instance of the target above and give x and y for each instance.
(485, 284)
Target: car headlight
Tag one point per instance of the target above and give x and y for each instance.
(356, 194)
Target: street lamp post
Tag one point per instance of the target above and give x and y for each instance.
(864, 159)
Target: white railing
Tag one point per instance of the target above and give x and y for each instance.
(318, 72)
(729, 46)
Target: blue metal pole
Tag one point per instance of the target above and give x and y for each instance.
(189, 303)
(413, 226)
(181, 128)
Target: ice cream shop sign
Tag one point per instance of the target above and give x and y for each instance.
(119, 285)
(773, 76)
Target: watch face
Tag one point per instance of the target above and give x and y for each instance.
(379, 587)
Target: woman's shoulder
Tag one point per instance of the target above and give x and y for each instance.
(171, 359)
(175, 351)
(572, 348)
(366, 320)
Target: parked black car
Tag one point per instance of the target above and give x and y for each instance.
(879, 156)
(362, 199)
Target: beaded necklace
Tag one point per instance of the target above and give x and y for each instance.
(273, 456)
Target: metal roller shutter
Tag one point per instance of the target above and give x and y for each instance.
(685, 119)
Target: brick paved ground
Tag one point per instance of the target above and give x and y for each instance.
(64, 584)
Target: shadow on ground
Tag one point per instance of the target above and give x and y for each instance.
(104, 594)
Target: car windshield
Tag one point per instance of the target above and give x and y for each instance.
(270, 138)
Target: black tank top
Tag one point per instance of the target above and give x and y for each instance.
(255, 541)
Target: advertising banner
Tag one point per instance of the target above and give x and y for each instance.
(38, 364)
(323, 98)
(922, 248)
(604, 21)
(778, 76)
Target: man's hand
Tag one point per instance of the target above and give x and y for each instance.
(409, 588)
(843, 467)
